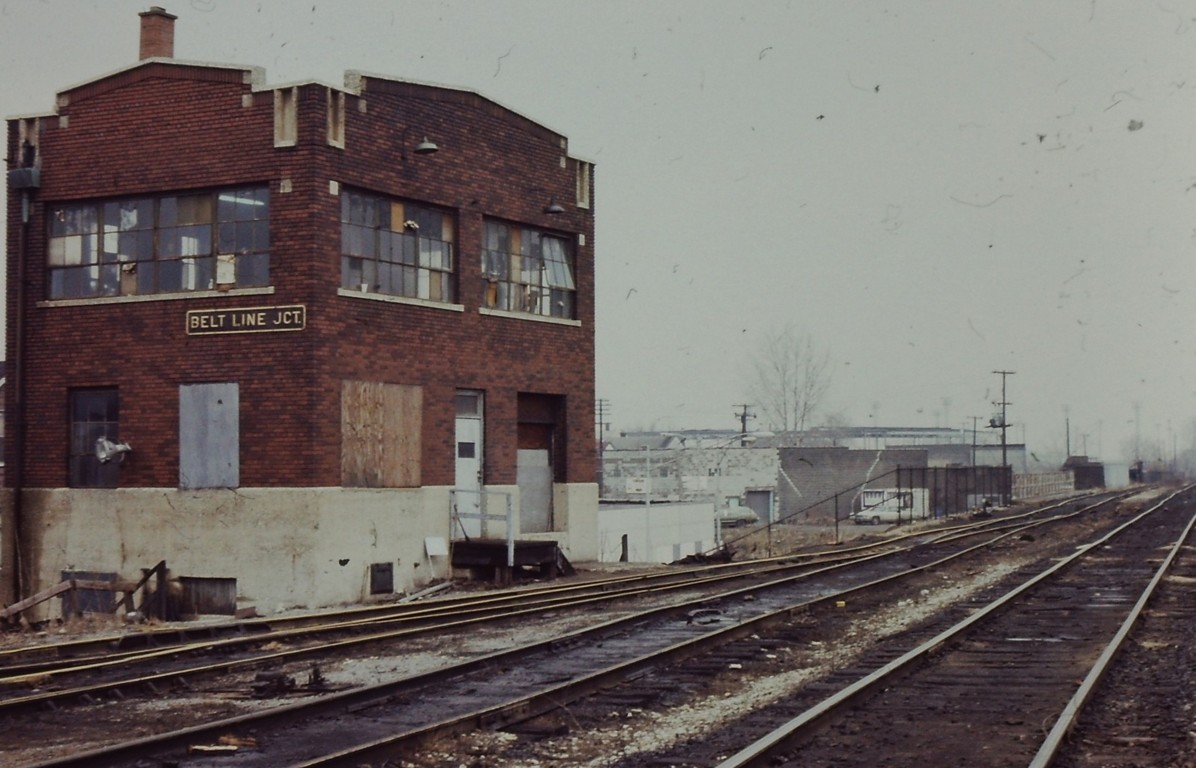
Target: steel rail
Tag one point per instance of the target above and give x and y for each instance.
(15, 662)
(1067, 718)
(459, 620)
(490, 605)
(518, 708)
(553, 698)
(511, 606)
(752, 754)
(264, 629)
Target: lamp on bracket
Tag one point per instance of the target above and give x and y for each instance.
(552, 207)
(424, 147)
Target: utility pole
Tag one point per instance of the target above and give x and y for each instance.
(648, 489)
(601, 411)
(743, 415)
(974, 420)
(1004, 425)
(1066, 432)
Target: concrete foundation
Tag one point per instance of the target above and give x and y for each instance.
(286, 548)
(656, 533)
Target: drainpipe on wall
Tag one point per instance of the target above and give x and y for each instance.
(25, 179)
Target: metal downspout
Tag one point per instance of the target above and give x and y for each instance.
(17, 424)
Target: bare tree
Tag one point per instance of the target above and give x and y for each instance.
(792, 377)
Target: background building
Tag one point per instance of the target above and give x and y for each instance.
(295, 336)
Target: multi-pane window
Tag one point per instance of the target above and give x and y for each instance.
(93, 416)
(528, 271)
(397, 248)
(164, 244)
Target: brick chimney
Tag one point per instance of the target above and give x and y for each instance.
(157, 33)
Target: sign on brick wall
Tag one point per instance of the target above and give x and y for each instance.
(246, 320)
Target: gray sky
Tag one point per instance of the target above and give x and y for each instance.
(933, 190)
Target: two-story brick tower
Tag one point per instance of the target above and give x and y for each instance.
(294, 336)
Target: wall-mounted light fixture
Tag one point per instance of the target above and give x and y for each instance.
(424, 147)
(552, 207)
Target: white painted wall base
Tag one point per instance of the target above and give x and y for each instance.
(657, 533)
(287, 548)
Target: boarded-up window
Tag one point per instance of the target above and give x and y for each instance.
(209, 436)
(380, 434)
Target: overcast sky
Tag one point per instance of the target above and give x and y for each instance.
(932, 190)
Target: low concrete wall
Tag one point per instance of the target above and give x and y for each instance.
(657, 533)
(575, 508)
(287, 548)
(8, 550)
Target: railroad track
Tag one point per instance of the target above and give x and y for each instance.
(1001, 686)
(139, 658)
(516, 685)
(1142, 711)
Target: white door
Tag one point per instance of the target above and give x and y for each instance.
(468, 482)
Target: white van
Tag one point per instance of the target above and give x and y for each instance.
(890, 505)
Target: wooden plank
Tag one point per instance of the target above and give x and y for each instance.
(381, 436)
(111, 586)
(350, 434)
(40, 597)
(360, 434)
(402, 427)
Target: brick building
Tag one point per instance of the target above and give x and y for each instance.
(294, 336)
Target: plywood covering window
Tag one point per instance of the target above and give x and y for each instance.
(380, 434)
(396, 247)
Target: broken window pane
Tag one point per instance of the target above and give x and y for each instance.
(528, 271)
(94, 415)
(396, 247)
(126, 232)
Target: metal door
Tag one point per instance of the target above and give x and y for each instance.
(760, 502)
(533, 475)
(209, 435)
(468, 483)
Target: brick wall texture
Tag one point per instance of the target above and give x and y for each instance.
(168, 127)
